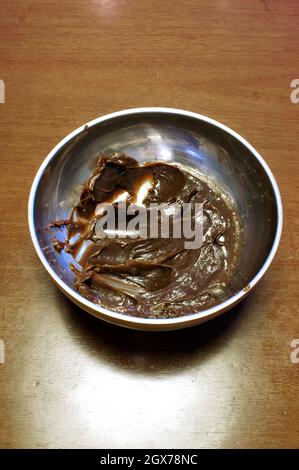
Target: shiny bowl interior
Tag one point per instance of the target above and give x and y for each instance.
(168, 135)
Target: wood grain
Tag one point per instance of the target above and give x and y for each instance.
(70, 380)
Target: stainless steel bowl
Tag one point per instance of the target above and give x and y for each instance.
(171, 135)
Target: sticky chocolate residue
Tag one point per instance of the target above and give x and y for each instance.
(151, 277)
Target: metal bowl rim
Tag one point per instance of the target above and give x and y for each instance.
(135, 322)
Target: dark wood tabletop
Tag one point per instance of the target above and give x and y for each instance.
(68, 379)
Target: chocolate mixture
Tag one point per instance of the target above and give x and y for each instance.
(150, 277)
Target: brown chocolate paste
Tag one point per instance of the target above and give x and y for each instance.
(151, 277)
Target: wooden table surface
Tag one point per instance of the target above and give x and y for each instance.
(68, 379)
